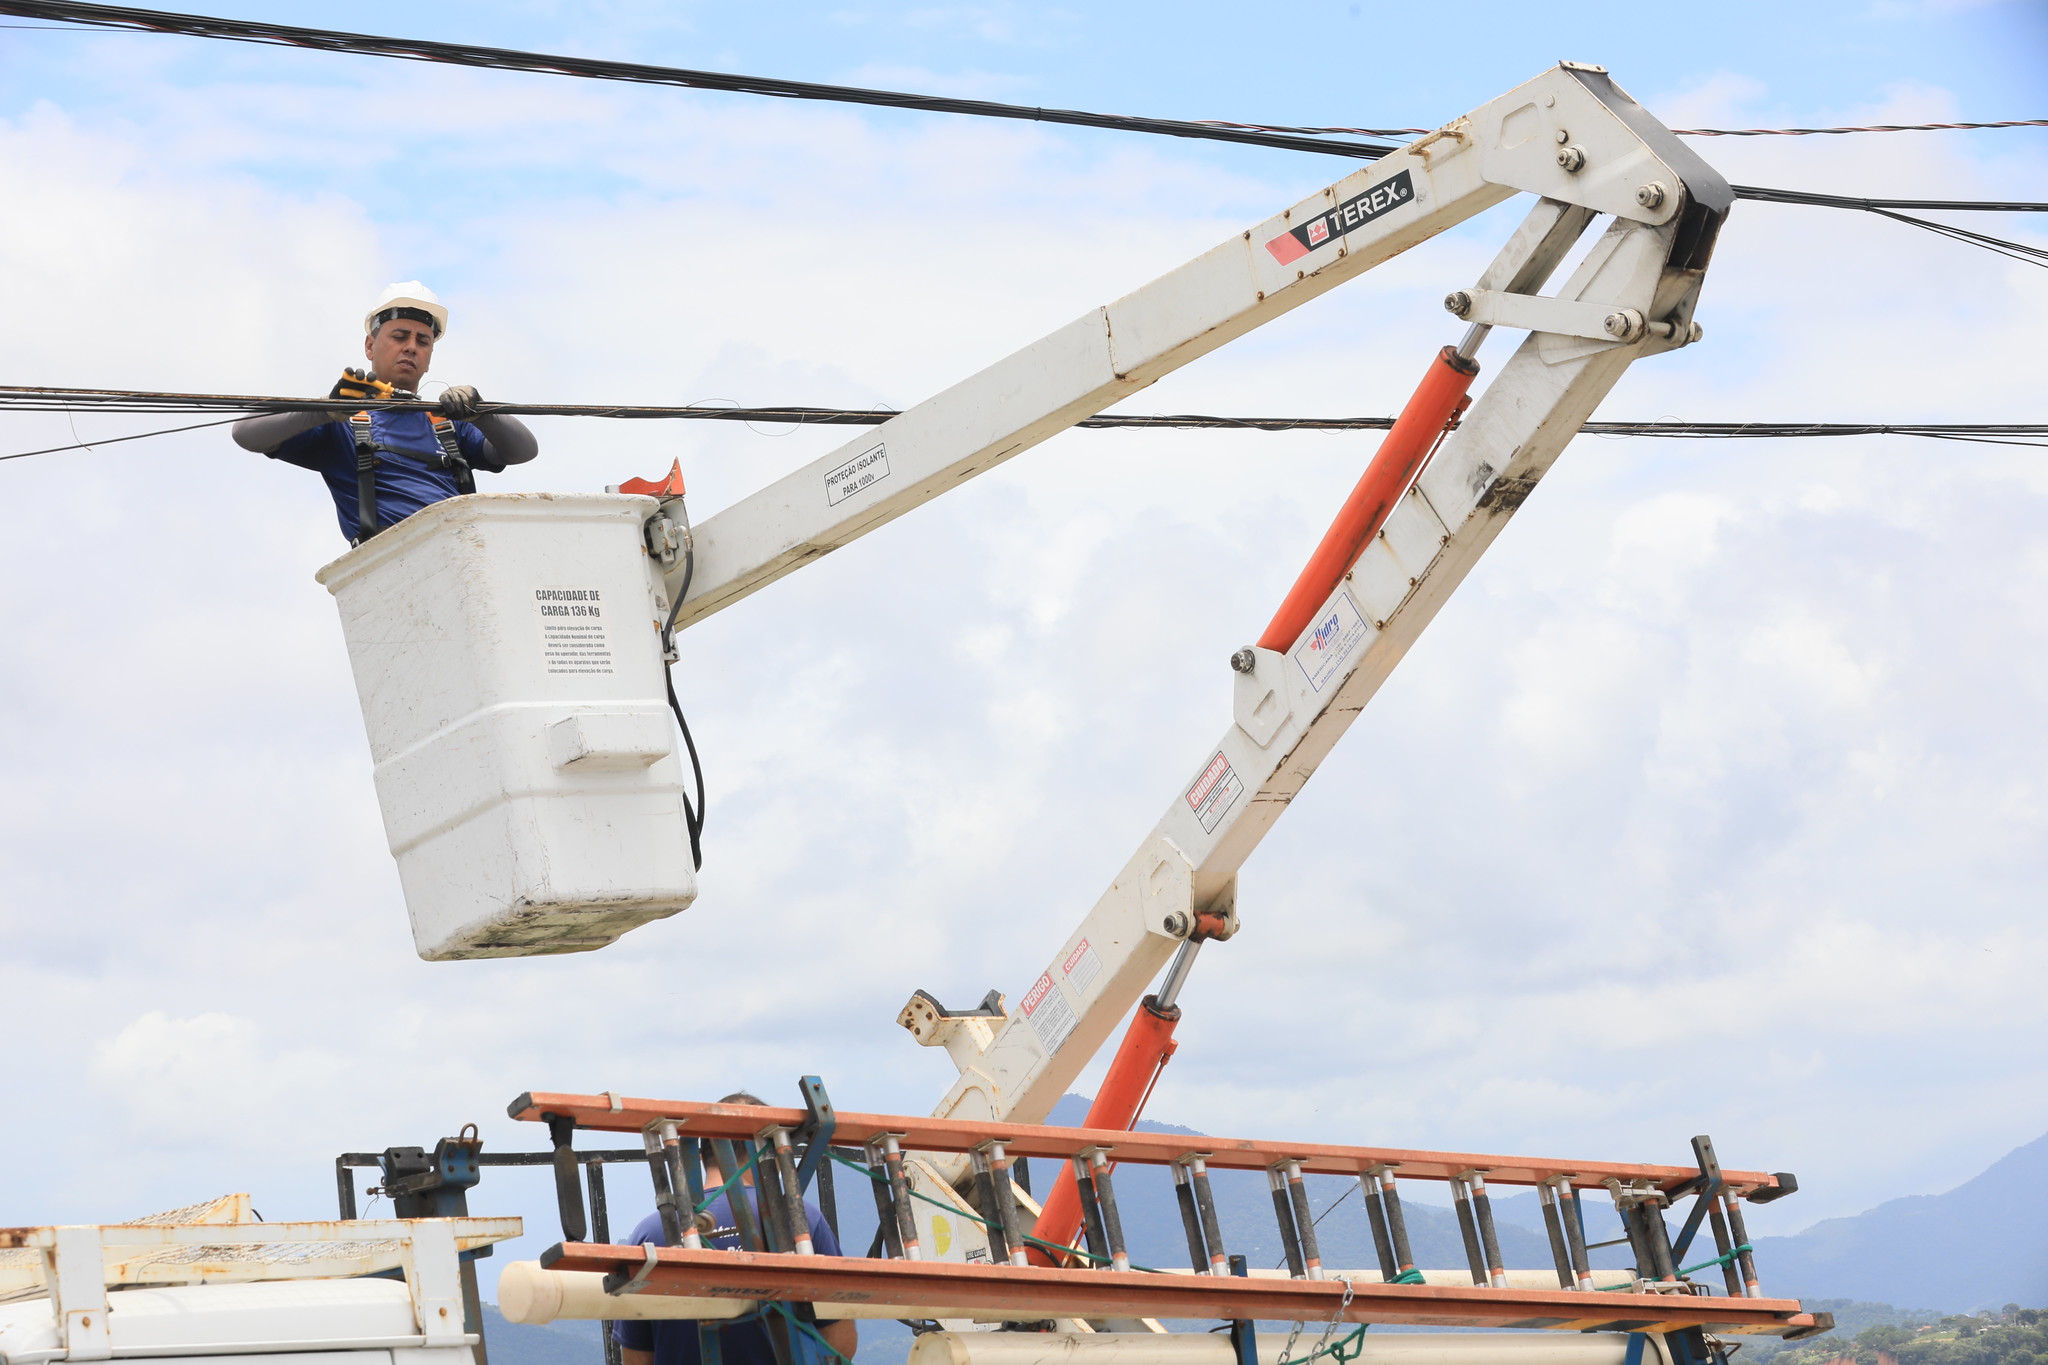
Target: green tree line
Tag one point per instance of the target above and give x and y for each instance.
(2016, 1336)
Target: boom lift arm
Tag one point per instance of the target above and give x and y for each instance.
(1297, 692)
(1400, 548)
(1570, 135)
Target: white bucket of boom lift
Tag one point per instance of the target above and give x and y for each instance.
(509, 668)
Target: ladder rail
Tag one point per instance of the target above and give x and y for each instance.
(624, 1113)
(960, 1290)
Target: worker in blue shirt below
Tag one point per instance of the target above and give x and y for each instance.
(415, 459)
(744, 1341)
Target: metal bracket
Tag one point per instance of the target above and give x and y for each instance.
(1822, 1323)
(637, 1281)
(1536, 313)
(814, 1134)
(75, 1267)
(1244, 1333)
(965, 1034)
(1261, 699)
(1565, 317)
(433, 1275)
(568, 1189)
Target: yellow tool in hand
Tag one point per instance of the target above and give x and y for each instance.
(357, 384)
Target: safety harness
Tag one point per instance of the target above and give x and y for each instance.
(367, 450)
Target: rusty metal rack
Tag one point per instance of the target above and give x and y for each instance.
(1029, 1279)
(438, 1182)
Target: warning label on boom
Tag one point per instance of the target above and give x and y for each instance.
(1214, 792)
(1052, 1018)
(572, 630)
(1082, 966)
(862, 471)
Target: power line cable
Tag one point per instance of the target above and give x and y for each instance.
(1291, 137)
(1867, 128)
(17, 399)
(2018, 251)
(506, 59)
(110, 440)
(334, 40)
(1812, 199)
(1887, 208)
(1298, 139)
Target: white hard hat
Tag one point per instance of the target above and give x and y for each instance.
(409, 299)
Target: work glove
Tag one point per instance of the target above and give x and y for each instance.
(356, 385)
(459, 402)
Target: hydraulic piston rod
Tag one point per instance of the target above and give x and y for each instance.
(1440, 397)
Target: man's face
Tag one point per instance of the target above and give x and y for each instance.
(400, 352)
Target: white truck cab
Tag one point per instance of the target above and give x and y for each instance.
(211, 1284)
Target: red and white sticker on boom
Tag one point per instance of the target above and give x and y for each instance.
(1082, 966)
(1051, 1017)
(1331, 225)
(1214, 792)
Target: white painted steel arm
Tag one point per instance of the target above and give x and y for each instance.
(1112, 352)
(1291, 708)
(1569, 136)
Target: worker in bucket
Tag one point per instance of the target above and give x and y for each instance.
(382, 466)
(741, 1341)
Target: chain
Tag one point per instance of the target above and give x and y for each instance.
(1323, 1347)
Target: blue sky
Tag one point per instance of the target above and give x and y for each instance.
(1345, 63)
(1712, 803)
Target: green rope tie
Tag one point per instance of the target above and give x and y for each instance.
(1723, 1259)
(745, 1166)
(810, 1331)
(1344, 1350)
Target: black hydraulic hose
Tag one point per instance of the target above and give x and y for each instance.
(693, 814)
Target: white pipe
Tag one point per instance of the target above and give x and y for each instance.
(532, 1296)
(1214, 1348)
(535, 1297)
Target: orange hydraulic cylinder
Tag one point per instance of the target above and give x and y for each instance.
(1414, 434)
(1139, 1058)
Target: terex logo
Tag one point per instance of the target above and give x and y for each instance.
(1321, 230)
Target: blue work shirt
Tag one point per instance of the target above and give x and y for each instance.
(404, 485)
(674, 1341)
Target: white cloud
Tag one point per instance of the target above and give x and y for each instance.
(189, 1078)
